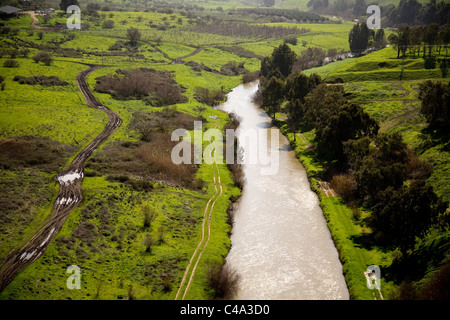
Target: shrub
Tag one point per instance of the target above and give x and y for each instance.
(149, 216)
(233, 69)
(345, 186)
(148, 242)
(210, 97)
(47, 81)
(250, 76)
(44, 57)
(292, 39)
(223, 280)
(108, 24)
(10, 63)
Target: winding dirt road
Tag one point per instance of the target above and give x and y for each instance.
(69, 196)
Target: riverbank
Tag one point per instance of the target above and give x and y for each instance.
(346, 229)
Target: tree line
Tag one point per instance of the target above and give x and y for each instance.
(417, 38)
(412, 12)
(367, 168)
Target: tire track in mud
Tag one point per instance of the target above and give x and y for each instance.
(69, 195)
(206, 218)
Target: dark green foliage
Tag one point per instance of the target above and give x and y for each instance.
(64, 4)
(358, 38)
(430, 62)
(11, 63)
(297, 86)
(282, 59)
(47, 81)
(44, 57)
(134, 35)
(444, 68)
(378, 168)
(412, 12)
(401, 216)
(348, 122)
(273, 95)
(292, 39)
(435, 97)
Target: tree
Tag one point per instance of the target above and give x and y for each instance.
(431, 36)
(64, 4)
(360, 8)
(282, 59)
(44, 57)
(297, 86)
(378, 168)
(444, 68)
(379, 39)
(407, 11)
(435, 97)
(358, 38)
(134, 35)
(401, 216)
(273, 94)
(295, 115)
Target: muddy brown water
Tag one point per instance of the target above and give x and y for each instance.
(281, 245)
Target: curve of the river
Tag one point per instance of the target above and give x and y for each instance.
(281, 245)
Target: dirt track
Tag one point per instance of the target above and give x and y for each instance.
(35, 22)
(69, 196)
(206, 228)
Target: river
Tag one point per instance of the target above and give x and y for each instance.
(281, 246)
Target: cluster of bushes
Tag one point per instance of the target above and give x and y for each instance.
(200, 67)
(11, 63)
(47, 81)
(233, 68)
(209, 97)
(157, 88)
(43, 56)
